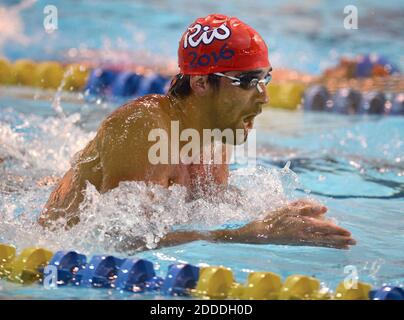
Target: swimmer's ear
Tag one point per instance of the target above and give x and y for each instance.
(199, 85)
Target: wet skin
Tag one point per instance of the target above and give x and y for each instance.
(119, 152)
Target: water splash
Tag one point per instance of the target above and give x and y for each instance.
(37, 151)
(137, 210)
(56, 103)
(35, 145)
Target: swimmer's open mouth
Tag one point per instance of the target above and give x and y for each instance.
(248, 122)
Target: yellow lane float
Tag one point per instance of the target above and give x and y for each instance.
(359, 292)
(287, 95)
(76, 77)
(299, 287)
(6, 72)
(262, 286)
(24, 72)
(214, 283)
(49, 74)
(25, 268)
(7, 254)
(219, 283)
(236, 291)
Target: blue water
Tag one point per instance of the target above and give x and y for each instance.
(302, 35)
(353, 164)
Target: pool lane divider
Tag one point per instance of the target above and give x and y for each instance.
(116, 83)
(135, 275)
(106, 82)
(45, 74)
(113, 82)
(23, 268)
(350, 101)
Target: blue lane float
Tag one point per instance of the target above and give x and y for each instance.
(373, 103)
(104, 82)
(347, 101)
(180, 279)
(137, 275)
(316, 98)
(350, 101)
(153, 83)
(397, 107)
(126, 84)
(100, 272)
(68, 264)
(159, 84)
(387, 293)
(100, 81)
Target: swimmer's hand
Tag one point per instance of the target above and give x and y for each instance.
(300, 223)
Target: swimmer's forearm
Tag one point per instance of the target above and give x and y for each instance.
(177, 238)
(180, 237)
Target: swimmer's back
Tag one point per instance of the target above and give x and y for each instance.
(118, 152)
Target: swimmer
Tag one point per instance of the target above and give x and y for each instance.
(224, 70)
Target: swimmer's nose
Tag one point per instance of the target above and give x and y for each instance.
(264, 99)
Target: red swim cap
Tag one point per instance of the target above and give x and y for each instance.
(218, 43)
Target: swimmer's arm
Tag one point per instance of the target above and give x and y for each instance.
(180, 237)
(177, 238)
(300, 223)
(215, 236)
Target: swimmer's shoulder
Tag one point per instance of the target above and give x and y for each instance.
(129, 126)
(150, 110)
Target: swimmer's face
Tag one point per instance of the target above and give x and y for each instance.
(236, 107)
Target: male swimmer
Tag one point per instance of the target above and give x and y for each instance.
(224, 70)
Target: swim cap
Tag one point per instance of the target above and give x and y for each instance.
(218, 43)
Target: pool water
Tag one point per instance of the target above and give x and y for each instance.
(352, 164)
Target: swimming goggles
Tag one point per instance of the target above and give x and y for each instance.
(247, 81)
